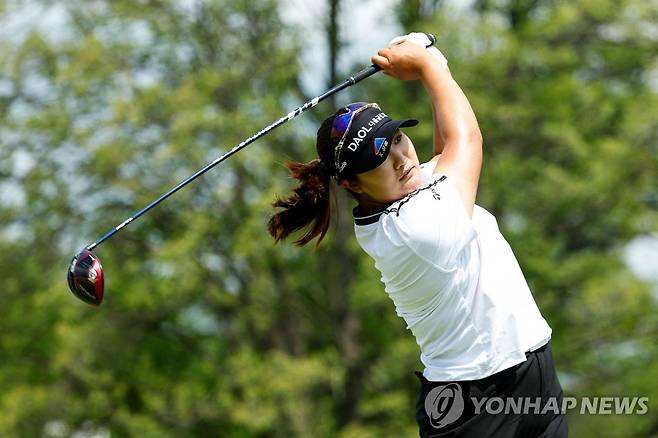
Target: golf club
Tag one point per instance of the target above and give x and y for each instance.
(85, 274)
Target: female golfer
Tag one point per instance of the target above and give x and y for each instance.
(444, 263)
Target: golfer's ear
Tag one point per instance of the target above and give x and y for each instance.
(352, 186)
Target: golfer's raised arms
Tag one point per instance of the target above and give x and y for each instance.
(457, 136)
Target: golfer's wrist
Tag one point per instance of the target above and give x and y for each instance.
(433, 68)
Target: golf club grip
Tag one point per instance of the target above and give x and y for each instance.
(366, 72)
(372, 69)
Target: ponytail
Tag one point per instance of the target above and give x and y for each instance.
(309, 207)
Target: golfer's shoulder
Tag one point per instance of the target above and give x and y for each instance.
(426, 210)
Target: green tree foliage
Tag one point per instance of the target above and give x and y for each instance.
(129, 102)
(209, 330)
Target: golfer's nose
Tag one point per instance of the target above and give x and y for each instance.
(397, 155)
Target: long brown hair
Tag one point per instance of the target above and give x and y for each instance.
(309, 206)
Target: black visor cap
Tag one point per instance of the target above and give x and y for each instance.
(375, 151)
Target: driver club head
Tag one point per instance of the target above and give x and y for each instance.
(85, 277)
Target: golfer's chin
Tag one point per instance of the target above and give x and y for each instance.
(394, 191)
(401, 194)
(410, 183)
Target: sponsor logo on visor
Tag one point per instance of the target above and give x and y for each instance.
(379, 146)
(364, 130)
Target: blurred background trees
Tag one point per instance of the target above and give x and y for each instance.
(209, 330)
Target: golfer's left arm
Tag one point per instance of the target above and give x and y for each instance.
(455, 122)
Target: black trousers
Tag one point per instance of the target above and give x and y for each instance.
(523, 401)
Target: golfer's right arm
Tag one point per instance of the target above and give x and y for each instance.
(454, 120)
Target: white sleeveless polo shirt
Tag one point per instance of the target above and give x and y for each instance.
(454, 280)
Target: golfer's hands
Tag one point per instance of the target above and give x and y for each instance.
(401, 61)
(422, 39)
(404, 61)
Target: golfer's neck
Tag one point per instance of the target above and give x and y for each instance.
(370, 206)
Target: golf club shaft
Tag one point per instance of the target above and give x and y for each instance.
(363, 74)
(357, 77)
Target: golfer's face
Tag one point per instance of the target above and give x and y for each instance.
(396, 177)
